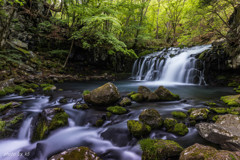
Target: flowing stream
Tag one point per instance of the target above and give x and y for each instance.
(112, 141)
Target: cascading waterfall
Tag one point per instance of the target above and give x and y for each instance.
(171, 65)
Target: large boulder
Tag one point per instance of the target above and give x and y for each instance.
(105, 95)
(165, 95)
(144, 91)
(151, 117)
(225, 131)
(138, 129)
(201, 152)
(75, 153)
(159, 149)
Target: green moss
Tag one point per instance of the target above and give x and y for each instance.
(191, 109)
(85, 92)
(41, 131)
(180, 129)
(215, 118)
(211, 104)
(2, 126)
(179, 114)
(60, 119)
(29, 85)
(137, 97)
(138, 129)
(24, 91)
(117, 110)
(219, 110)
(175, 96)
(131, 93)
(2, 93)
(231, 100)
(233, 84)
(99, 122)
(81, 153)
(169, 123)
(199, 114)
(233, 110)
(63, 100)
(5, 106)
(60, 89)
(16, 119)
(49, 88)
(81, 106)
(108, 114)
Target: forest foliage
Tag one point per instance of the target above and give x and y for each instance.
(128, 25)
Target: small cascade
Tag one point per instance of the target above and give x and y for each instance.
(171, 65)
(24, 132)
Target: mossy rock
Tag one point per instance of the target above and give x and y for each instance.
(131, 93)
(60, 119)
(234, 110)
(158, 149)
(108, 114)
(169, 123)
(215, 118)
(165, 95)
(63, 100)
(190, 110)
(83, 106)
(2, 126)
(179, 114)
(5, 106)
(125, 102)
(117, 110)
(233, 84)
(199, 114)
(99, 123)
(151, 117)
(41, 130)
(48, 87)
(137, 97)
(29, 85)
(232, 100)
(138, 129)
(211, 104)
(76, 153)
(179, 129)
(219, 110)
(24, 91)
(85, 92)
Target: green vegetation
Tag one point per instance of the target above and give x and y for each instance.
(179, 114)
(48, 87)
(99, 122)
(85, 92)
(219, 110)
(60, 119)
(131, 93)
(138, 129)
(169, 123)
(117, 110)
(81, 106)
(137, 97)
(180, 129)
(2, 126)
(5, 106)
(232, 100)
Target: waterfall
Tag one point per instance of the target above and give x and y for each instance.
(171, 65)
(24, 132)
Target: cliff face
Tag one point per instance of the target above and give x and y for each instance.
(233, 38)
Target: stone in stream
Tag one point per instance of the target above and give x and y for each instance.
(50, 119)
(225, 131)
(151, 117)
(201, 152)
(159, 149)
(165, 95)
(76, 153)
(104, 95)
(138, 129)
(125, 102)
(148, 94)
(231, 100)
(199, 114)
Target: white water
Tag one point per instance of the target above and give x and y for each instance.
(170, 66)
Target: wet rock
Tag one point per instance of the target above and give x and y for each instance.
(179, 114)
(131, 93)
(219, 110)
(80, 106)
(201, 152)
(232, 100)
(159, 149)
(125, 101)
(151, 117)
(199, 114)
(225, 131)
(165, 95)
(144, 91)
(169, 123)
(99, 122)
(63, 100)
(179, 129)
(117, 110)
(102, 96)
(50, 119)
(75, 153)
(48, 87)
(137, 97)
(138, 129)
(6, 83)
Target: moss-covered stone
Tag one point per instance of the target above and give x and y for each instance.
(60, 119)
(233, 84)
(30, 85)
(108, 114)
(117, 110)
(179, 114)
(232, 100)
(215, 118)
(15, 120)
(125, 102)
(76, 153)
(41, 130)
(137, 97)
(234, 110)
(81, 106)
(99, 122)
(190, 110)
(199, 114)
(180, 129)
(48, 87)
(169, 123)
(158, 149)
(211, 104)
(2, 126)
(63, 100)
(24, 91)
(5, 106)
(85, 92)
(131, 93)
(138, 129)
(165, 95)
(151, 117)
(219, 110)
